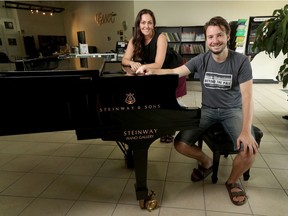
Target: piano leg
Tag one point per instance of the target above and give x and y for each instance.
(140, 168)
(146, 200)
(127, 153)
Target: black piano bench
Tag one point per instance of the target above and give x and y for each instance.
(214, 138)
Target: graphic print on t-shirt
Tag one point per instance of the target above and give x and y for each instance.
(217, 81)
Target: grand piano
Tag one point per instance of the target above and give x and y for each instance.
(133, 111)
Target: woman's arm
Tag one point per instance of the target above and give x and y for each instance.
(127, 59)
(159, 58)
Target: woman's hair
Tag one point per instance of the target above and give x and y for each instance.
(138, 37)
(220, 22)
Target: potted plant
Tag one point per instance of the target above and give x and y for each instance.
(272, 37)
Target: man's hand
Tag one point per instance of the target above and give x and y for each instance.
(143, 70)
(250, 146)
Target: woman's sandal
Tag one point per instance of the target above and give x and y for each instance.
(200, 173)
(236, 194)
(162, 139)
(167, 139)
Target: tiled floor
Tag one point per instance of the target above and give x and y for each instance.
(54, 174)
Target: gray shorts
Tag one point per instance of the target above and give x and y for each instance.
(231, 119)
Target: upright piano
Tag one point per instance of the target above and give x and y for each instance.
(133, 111)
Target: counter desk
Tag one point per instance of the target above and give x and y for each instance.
(104, 62)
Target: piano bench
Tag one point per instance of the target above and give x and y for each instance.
(214, 138)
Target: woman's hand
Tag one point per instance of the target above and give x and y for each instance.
(135, 65)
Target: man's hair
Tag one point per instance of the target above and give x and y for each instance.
(220, 22)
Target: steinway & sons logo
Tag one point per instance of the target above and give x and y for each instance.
(129, 100)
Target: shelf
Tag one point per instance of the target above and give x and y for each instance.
(188, 41)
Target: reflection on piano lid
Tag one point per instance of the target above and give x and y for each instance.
(40, 100)
(63, 63)
(80, 63)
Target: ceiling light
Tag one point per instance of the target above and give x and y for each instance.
(32, 7)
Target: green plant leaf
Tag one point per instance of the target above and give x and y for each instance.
(285, 80)
(282, 67)
(269, 43)
(278, 46)
(284, 26)
(272, 37)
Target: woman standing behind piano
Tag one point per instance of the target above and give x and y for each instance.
(149, 47)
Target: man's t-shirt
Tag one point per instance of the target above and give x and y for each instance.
(221, 81)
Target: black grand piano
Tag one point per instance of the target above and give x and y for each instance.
(134, 111)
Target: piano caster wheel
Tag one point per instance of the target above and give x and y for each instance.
(150, 203)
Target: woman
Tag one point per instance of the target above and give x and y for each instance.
(146, 46)
(149, 47)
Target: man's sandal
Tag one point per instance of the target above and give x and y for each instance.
(236, 194)
(200, 173)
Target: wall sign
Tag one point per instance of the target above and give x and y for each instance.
(101, 18)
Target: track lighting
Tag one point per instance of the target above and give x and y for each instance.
(33, 7)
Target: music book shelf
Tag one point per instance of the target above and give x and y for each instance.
(188, 41)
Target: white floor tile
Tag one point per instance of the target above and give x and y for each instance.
(85, 208)
(47, 207)
(30, 185)
(266, 201)
(13, 205)
(183, 195)
(66, 187)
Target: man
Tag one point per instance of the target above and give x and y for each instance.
(226, 79)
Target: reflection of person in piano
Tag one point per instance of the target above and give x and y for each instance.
(226, 79)
(149, 47)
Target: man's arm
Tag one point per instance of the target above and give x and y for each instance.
(247, 114)
(181, 71)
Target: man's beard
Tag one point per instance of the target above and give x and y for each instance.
(219, 51)
(216, 52)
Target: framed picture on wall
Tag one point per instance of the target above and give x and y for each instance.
(12, 41)
(8, 25)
